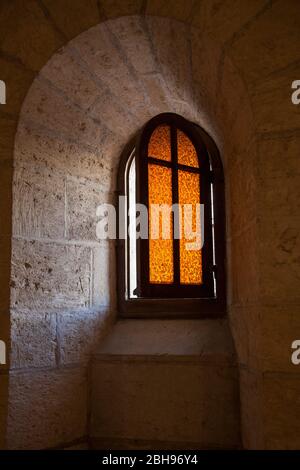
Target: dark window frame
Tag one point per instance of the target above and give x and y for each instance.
(153, 306)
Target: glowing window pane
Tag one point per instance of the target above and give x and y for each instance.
(190, 259)
(160, 236)
(187, 154)
(160, 143)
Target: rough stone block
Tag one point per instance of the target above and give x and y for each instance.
(5, 254)
(6, 177)
(4, 381)
(209, 339)
(205, 77)
(166, 401)
(83, 196)
(225, 18)
(176, 9)
(242, 192)
(49, 276)
(102, 53)
(73, 16)
(252, 423)
(272, 104)
(18, 80)
(68, 157)
(39, 203)
(118, 120)
(279, 240)
(281, 411)
(270, 409)
(47, 408)
(170, 41)
(269, 43)
(27, 34)
(69, 76)
(104, 281)
(113, 8)
(272, 150)
(133, 35)
(159, 95)
(52, 110)
(79, 334)
(243, 276)
(8, 129)
(33, 340)
(233, 108)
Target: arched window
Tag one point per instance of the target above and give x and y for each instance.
(172, 260)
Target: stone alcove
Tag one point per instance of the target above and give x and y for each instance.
(79, 113)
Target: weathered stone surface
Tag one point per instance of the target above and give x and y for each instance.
(33, 340)
(279, 241)
(136, 43)
(4, 383)
(46, 408)
(224, 19)
(53, 111)
(79, 334)
(281, 416)
(210, 339)
(8, 129)
(57, 133)
(243, 277)
(83, 197)
(279, 327)
(6, 178)
(119, 121)
(73, 16)
(239, 320)
(49, 276)
(264, 334)
(270, 410)
(39, 203)
(113, 8)
(26, 33)
(241, 192)
(172, 48)
(176, 9)
(69, 158)
(17, 80)
(5, 247)
(234, 108)
(104, 281)
(269, 43)
(206, 78)
(272, 104)
(165, 400)
(69, 76)
(251, 396)
(102, 53)
(278, 155)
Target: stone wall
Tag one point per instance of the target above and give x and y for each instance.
(83, 107)
(229, 67)
(164, 384)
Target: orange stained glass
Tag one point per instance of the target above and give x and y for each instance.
(160, 235)
(160, 143)
(190, 259)
(187, 154)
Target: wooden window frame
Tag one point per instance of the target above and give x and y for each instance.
(193, 302)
